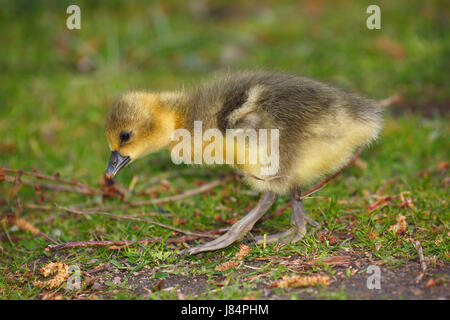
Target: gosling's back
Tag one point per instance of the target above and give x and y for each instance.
(319, 126)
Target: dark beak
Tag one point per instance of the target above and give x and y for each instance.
(116, 162)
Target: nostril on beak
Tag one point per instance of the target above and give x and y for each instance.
(116, 162)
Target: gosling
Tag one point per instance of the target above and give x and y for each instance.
(318, 130)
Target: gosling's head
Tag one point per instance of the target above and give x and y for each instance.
(136, 125)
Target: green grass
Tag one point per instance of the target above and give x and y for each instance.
(52, 118)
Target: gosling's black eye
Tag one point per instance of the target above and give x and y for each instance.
(124, 136)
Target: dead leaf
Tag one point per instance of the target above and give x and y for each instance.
(227, 265)
(24, 225)
(89, 281)
(406, 202)
(244, 250)
(430, 283)
(114, 247)
(443, 165)
(177, 221)
(416, 292)
(380, 203)
(327, 236)
(234, 262)
(389, 101)
(158, 286)
(313, 7)
(291, 263)
(360, 164)
(400, 227)
(389, 46)
(52, 296)
(372, 235)
(111, 189)
(101, 267)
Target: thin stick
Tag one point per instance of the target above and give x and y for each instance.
(105, 243)
(24, 225)
(119, 243)
(125, 217)
(158, 201)
(54, 187)
(33, 206)
(396, 98)
(423, 265)
(51, 178)
(204, 188)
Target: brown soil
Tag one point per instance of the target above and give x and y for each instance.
(396, 283)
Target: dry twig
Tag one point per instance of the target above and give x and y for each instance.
(204, 188)
(125, 217)
(54, 187)
(396, 98)
(54, 178)
(423, 265)
(117, 244)
(24, 225)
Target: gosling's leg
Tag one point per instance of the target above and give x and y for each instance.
(299, 220)
(299, 217)
(238, 231)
